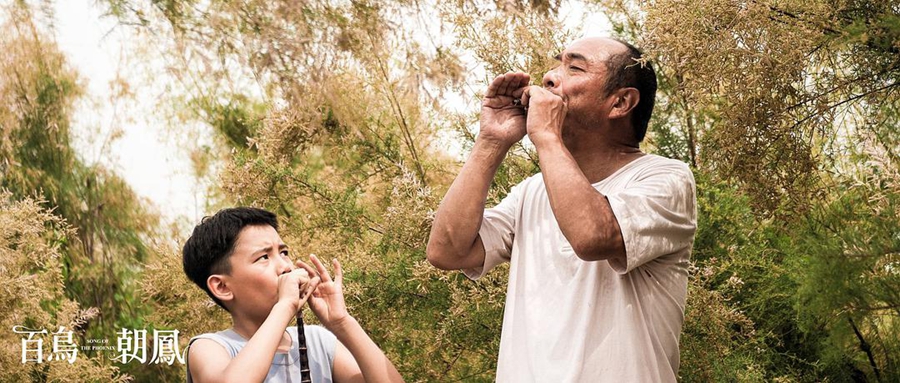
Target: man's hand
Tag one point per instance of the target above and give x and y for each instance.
(546, 113)
(502, 121)
(295, 287)
(327, 301)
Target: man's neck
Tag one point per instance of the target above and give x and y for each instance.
(600, 156)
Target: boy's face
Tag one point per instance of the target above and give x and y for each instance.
(259, 258)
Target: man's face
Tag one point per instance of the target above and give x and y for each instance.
(580, 78)
(259, 258)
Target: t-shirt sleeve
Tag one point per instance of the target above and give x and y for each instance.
(497, 232)
(656, 213)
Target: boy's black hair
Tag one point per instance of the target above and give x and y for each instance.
(207, 251)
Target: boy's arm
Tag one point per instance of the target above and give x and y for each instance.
(356, 358)
(210, 362)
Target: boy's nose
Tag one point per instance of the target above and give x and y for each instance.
(286, 265)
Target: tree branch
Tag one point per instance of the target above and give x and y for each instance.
(865, 348)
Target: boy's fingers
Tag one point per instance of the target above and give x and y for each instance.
(313, 283)
(338, 272)
(302, 273)
(310, 286)
(321, 268)
(309, 269)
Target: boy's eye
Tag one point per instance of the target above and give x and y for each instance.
(264, 256)
(284, 253)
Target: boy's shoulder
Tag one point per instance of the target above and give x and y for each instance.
(233, 342)
(230, 340)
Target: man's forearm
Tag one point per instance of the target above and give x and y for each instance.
(459, 216)
(583, 213)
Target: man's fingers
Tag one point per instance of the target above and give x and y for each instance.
(519, 83)
(526, 96)
(535, 91)
(518, 92)
(492, 88)
(508, 84)
(514, 82)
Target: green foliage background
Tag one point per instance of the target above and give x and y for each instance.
(787, 111)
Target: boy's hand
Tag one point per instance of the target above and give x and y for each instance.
(327, 301)
(295, 287)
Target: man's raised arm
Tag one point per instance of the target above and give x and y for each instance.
(454, 242)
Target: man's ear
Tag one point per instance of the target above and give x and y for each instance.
(218, 286)
(625, 100)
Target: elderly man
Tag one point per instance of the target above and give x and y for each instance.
(598, 242)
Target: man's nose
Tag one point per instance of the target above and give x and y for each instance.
(551, 79)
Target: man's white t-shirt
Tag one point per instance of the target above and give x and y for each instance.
(568, 320)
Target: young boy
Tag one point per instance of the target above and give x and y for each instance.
(238, 258)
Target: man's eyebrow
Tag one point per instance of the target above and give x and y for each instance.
(575, 56)
(572, 56)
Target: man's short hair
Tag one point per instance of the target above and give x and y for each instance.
(628, 69)
(211, 244)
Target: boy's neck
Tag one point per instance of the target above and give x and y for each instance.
(243, 327)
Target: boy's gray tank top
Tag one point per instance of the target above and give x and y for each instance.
(285, 368)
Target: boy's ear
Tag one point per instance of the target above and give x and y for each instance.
(218, 286)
